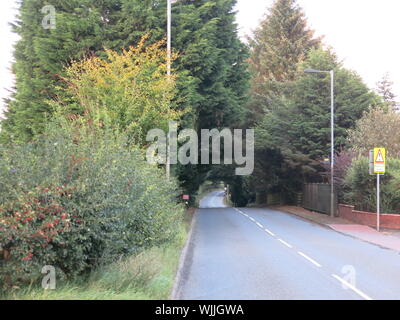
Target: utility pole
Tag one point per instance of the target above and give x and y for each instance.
(169, 54)
(332, 144)
(332, 74)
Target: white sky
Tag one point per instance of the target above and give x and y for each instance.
(364, 33)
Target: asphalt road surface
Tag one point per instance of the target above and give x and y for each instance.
(265, 254)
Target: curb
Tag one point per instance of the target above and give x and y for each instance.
(182, 260)
(304, 218)
(342, 233)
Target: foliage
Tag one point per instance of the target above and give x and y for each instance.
(278, 45)
(128, 91)
(281, 42)
(211, 66)
(360, 187)
(148, 275)
(342, 163)
(298, 124)
(82, 28)
(77, 197)
(385, 90)
(379, 127)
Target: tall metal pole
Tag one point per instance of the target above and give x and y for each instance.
(378, 201)
(332, 144)
(169, 23)
(169, 18)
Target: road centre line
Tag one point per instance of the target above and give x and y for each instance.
(269, 232)
(350, 286)
(309, 259)
(344, 282)
(285, 243)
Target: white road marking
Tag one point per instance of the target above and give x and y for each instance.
(269, 232)
(285, 243)
(309, 259)
(242, 213)
(252, 219)
(260, 225)
(350, 286)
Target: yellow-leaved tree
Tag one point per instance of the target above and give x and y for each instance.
(128, 91)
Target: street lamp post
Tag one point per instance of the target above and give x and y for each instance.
(332, 74)
(169, 55)
(169, 25)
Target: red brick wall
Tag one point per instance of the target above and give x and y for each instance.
(389, 221)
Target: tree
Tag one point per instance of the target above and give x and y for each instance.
(127, 91)
(211, 64)
(385, 90)
(214, 60)
(379, 127)
(281, 42)
(42, 54)
(278, 45)
(299, 125)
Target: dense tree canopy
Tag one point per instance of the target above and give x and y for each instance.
(211, 67)
(299, 124)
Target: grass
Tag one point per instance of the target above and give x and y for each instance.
(147, 276)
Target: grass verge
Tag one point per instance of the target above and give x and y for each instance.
(147, 276)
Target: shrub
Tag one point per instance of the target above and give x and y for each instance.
(127, 90)
(367, 134)
(360, 187)
(77, 197)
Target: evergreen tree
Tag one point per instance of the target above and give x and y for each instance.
(213, 60)
(211, 66)
(281, 42)
(299, 127)
(42, 54)
(385, 90)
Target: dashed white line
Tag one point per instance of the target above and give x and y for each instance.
(285, 243)
(344, 282)
(350, 286)
(270, 233)
(309, 259)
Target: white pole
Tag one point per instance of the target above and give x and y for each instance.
(169, 17)
(378, 209)
(169, 22)
(332, 144)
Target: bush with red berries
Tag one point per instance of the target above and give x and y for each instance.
(76, 198)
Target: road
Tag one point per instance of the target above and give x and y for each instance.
(248, 253)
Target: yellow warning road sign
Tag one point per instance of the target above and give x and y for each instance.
(379, 160)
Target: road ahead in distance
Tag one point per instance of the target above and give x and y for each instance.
(265, 254)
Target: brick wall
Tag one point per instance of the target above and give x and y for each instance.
(389, 221)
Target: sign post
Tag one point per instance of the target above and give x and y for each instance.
(379, 169)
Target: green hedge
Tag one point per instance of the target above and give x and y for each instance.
(360, 187)
(76, 198)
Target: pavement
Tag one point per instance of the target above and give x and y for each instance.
(389, 239)
(266, 254)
